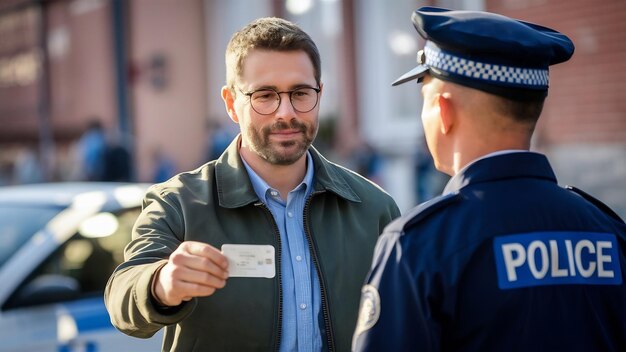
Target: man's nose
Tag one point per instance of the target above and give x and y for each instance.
(285, 109)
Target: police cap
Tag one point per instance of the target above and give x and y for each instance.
(487, 51)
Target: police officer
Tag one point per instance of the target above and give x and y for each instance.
(505, 259)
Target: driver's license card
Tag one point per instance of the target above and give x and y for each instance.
(249, 260)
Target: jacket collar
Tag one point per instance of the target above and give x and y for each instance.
(235, 190)
(502, 166)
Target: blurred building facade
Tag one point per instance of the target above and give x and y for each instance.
(151, 72)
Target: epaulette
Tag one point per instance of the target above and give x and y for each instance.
(422, 211)
(605, 208)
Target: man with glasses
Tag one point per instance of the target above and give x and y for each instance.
(265, 248)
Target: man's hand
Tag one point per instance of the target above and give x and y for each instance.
(194, 269)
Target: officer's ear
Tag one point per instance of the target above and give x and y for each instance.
(446, 112)
(229, 103)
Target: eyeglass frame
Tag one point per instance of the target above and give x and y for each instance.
(280, 99)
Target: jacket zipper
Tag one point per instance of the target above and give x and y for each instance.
(325, 310)
(278, 275)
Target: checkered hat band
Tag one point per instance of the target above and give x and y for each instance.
(486, 72)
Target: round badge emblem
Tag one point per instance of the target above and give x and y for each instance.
(369, 310)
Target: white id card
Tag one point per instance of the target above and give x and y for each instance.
(249, 260)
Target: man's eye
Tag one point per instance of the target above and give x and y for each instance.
(264, 95)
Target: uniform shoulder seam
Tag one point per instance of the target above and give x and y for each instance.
(596, 202)
(422, 211)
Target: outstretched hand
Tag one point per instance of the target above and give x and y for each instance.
(194, 269)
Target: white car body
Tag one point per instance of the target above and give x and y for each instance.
(51, 288)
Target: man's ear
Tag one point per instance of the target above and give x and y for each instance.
(446, 112)
(229, 103)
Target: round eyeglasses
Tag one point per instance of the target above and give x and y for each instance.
(266, 101)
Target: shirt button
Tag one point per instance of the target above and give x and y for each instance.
(274, 193)
(290, 214)
(302, 306)
(298, 258)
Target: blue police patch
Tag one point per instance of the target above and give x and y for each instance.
(557, 258)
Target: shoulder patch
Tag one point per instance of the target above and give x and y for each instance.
(369, 310)
(422, 211)
(605, 208)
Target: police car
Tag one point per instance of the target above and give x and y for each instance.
(58, 245)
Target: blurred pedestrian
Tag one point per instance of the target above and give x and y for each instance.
(219, 137)
(92, 147)
(506, 259)
(27, 168)
(429, 182)
(118, 164)
(369, 162)
(164, 167)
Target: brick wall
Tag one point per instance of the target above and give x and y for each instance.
(587, 99)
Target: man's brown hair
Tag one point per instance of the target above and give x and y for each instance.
(268, 33)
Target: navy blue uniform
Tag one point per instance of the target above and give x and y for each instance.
(505, 260)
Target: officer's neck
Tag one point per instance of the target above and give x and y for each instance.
(478, 142)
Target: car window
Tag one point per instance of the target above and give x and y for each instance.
(19, 223)
(82, 266)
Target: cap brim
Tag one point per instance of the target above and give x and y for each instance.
(417, 72)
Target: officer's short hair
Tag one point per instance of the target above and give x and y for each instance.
(526, 111)
(268, 33)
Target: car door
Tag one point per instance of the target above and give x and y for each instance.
(59, 306)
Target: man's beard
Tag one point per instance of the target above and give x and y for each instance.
(273, 152)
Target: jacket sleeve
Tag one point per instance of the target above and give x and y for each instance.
(387, 209)
(395, 314)
(158, 231)
(392, 214)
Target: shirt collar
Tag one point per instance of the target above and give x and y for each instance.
(502, 165)
(496, 153)
(263, 190)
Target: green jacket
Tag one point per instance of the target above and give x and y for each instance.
(216, 204)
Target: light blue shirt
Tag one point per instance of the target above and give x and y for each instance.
(300, 284)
